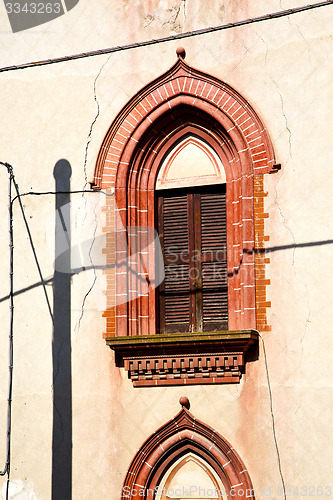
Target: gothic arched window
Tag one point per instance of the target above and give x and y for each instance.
(186, 157)
(186, 459)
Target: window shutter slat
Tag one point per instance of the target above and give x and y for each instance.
(175, 290)
(214, 257)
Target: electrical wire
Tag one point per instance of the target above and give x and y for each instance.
(179, 36)
(18, 196)
(39, 193)
(6, 469)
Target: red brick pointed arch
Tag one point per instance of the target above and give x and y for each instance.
(183, 84)
(185, 101)
(184, 434)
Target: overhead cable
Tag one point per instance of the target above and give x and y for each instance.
(170, 38)
(6, 469)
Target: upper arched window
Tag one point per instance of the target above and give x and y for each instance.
(184, 156)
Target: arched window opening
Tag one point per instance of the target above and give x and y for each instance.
(190, 477)
(192, 226)
(161, 164)
(188, 131)
(186, 459)
(191, 162)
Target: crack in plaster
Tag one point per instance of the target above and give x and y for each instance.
(177, 9)
(270, 395)
(89, 138)
(240, 61)
(284, 221)
(95, 275)
(308, 319)
(266, 47)
(174, 13)
(176, 16)
(305, 40)
(284, 114)
(93, 122)
(161, 17)
(184, 6)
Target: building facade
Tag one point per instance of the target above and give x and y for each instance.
(171, 263)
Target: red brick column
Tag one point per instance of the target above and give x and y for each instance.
(261, 259)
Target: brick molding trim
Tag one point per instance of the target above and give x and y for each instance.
(178, 437)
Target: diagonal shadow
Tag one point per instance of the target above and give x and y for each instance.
(277, 248)
(78, 270)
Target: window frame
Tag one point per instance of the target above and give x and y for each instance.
(175, 359)
(138, 316)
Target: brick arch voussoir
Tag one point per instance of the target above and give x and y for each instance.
(122, 159)
(231, 104)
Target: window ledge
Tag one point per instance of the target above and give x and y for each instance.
(184, 359)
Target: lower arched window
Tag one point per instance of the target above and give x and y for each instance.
(186, 459)
(190, 477)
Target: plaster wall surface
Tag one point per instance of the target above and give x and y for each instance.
(62, 112)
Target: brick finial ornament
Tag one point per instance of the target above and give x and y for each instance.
(182, 435)
(181, 52)
(184, 401)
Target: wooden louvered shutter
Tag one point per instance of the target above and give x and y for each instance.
(214, 261)
(192, 228)
(174, 291)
